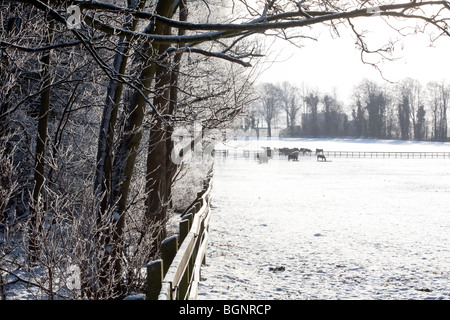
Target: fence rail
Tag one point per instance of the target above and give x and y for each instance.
(386, 154)
(341, 154)
(176, 275)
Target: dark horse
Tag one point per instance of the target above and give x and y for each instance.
(293, 156)
(304, 150)
(321, 157)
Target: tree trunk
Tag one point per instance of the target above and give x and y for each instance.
(160, 168)
(104, 172)
(171, 166)
(129, 148)
(156, 183)
(41, 141)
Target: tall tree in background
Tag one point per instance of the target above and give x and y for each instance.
(333, 115)
(270, 104)
(420, 130)
(376, 109)
(312, 103)
(391, 122)
(438, 99)
(445, 98)
(289, 96)
(404, 118)
(359, 119)
(411, 90)
(434, 104)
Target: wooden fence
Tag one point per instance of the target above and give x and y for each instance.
(250, 154)
(176, 275)
(385, 154)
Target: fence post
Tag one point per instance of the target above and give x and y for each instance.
(178, 283)
(169, 248)
(184, 229)
(184, 283)
(154, 279)
(189, 217)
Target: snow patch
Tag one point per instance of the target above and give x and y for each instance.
(353, 229)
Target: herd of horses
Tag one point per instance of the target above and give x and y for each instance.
(290, 153)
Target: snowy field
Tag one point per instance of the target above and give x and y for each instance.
(344, 229)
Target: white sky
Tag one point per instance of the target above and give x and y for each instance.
(335, 64)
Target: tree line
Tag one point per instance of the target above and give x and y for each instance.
(404, 110)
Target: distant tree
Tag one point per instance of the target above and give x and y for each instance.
(289, 96)
(376, 109)
(312, 103)
(438, 101)
(411, 89)
(358, 115)
(420, 130)
(403, 118)
(370, 112)
(391, 123)
(445, 96)
(345, 125)
(252, 120)
(269, 104)
(332, 110)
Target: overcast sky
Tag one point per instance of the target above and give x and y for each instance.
(335, 64)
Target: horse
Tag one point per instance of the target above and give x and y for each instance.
(304, 150)
(319, 151)
(321, 157)
(263, 158)
(284, 151)
(293, 156)
(267, 151)
(288, 151)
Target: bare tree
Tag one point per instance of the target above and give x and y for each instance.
(8, 189)
(332, 110)
(438, 101)
(291, 104)
(420, 129)
(269, 104)
(41, 140)
(411, 93)
(312, 102)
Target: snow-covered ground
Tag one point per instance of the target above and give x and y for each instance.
(345, 229)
